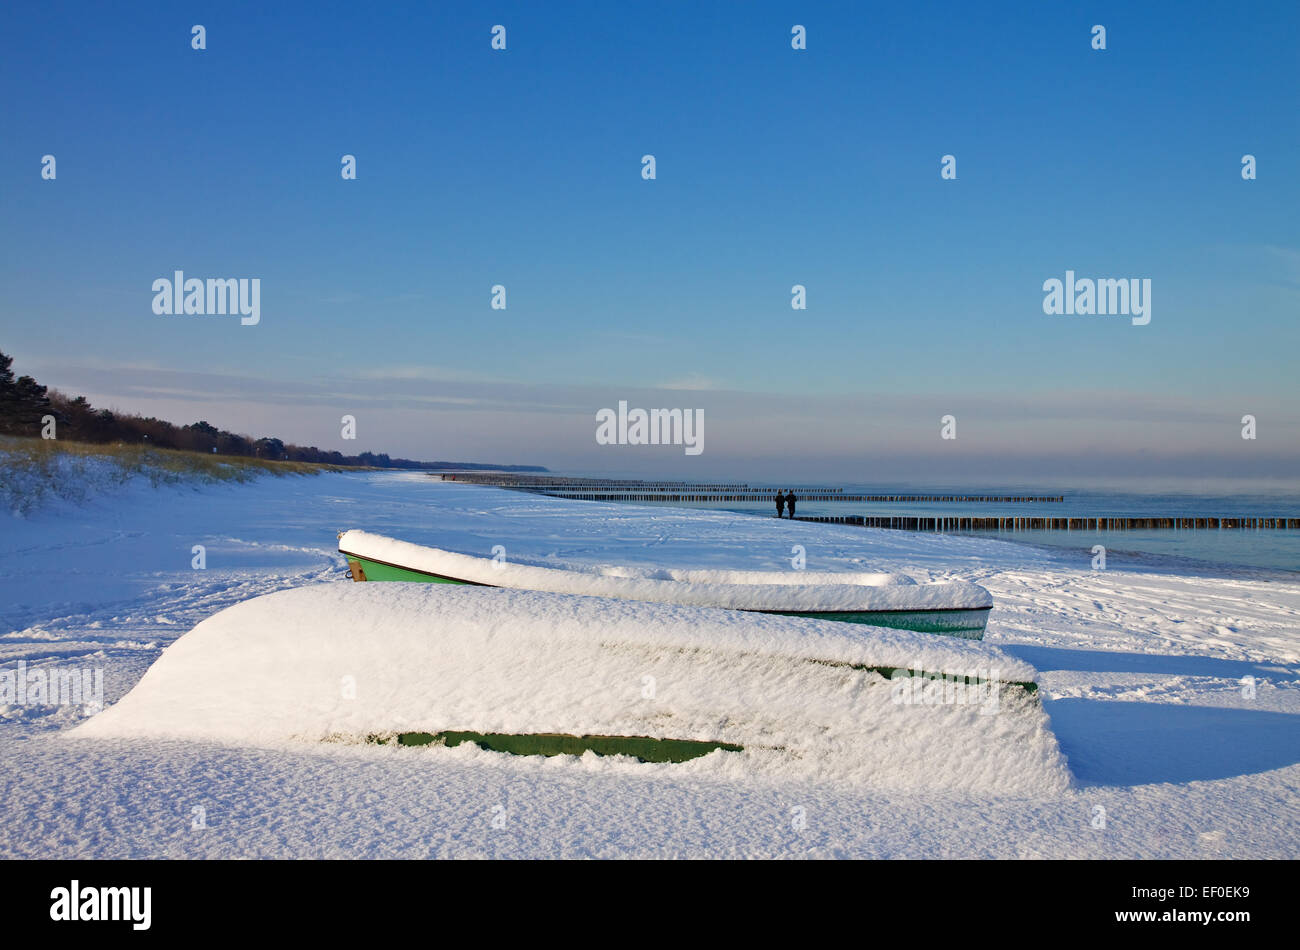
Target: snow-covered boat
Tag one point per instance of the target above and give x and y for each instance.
(954, 608)
(534, 673)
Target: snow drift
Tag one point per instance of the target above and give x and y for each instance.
(803, 697)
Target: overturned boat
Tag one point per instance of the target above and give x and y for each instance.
(523, 673)
(953, 608)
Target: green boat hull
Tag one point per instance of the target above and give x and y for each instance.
(379, 571)
(966, 623)
(644, 748)
(954, 623)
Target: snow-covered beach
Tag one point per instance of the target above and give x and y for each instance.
(1175, 696)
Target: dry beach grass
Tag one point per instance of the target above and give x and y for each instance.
(35, 471)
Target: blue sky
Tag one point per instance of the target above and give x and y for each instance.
(775, 167)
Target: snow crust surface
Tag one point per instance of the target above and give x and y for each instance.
(1173, 691)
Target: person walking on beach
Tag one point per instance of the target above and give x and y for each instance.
(780, 503)
(789, 502)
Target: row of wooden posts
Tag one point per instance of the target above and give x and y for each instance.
(612, 489)
(924, 523)
(631, 489)
(767, 494)
(616, 491)
(668, 496)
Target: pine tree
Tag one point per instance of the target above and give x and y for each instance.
(23, 401)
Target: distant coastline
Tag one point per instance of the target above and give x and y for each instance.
(28, 409)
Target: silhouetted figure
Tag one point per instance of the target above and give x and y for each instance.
(780, 504)
(789, 502)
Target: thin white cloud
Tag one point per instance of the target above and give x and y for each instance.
(436, 374)
(694, 382)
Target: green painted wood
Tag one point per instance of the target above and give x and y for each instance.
(644, 748)
(963, 623)
(966, 623)
(377, 571)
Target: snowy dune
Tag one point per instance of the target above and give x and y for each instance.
(1175, 695)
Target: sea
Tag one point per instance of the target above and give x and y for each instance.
(1199, 550)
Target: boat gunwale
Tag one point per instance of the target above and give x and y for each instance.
(803, 613)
